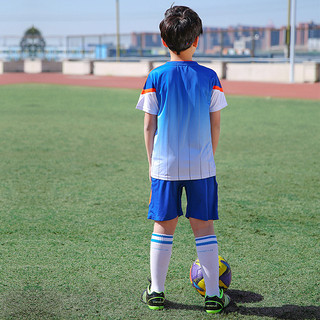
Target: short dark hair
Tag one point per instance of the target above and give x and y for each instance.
(180, 28)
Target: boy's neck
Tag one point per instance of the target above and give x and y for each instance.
(185, 55)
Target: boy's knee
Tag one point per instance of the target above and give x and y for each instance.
(201, 228)
(165, 227)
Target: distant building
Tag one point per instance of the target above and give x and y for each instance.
(306, 31)
(241, 40)
(146, 40)
(237, 40)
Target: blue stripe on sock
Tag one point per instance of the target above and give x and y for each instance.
(205, 243)
(161, 241)
(162, 235)
(206, 237)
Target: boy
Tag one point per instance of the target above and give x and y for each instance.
(182, 102)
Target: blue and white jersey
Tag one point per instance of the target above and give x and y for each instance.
(182, 94)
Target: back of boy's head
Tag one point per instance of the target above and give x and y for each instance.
(180, 28)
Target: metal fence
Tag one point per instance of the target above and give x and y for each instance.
(218, 43)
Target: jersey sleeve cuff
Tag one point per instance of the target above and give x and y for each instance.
(148, 102)
(218, 101)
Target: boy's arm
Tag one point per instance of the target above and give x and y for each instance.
(150, 128)
(215, 129)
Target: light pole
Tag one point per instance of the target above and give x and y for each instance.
(118, 31)
(292, 39)
(288, 29)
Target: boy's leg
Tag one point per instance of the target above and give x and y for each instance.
(164, 209)
(207, 250)
(202, 209)
(160, 252)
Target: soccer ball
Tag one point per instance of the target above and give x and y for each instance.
(197, 281)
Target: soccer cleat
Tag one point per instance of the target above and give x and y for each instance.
(215, 304)
(154, 300)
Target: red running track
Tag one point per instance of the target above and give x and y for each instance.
(264, 89)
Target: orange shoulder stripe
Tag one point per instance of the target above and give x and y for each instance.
(217, 88)
(148, 90)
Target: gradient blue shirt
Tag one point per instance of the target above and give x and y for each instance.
(182, 94)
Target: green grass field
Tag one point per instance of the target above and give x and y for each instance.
(74, 191)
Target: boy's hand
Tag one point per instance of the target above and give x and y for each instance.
(150, 173)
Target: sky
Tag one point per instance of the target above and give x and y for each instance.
(85, 17)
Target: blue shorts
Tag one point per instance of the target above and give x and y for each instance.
(202, 199)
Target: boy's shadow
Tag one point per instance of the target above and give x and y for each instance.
(289, 312)
(235, 295)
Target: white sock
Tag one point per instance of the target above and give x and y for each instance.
(207, 250)
(160, 254)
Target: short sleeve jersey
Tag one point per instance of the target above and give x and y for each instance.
(182, 94)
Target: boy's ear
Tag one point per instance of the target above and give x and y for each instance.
(196, 42)
(164, 43)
